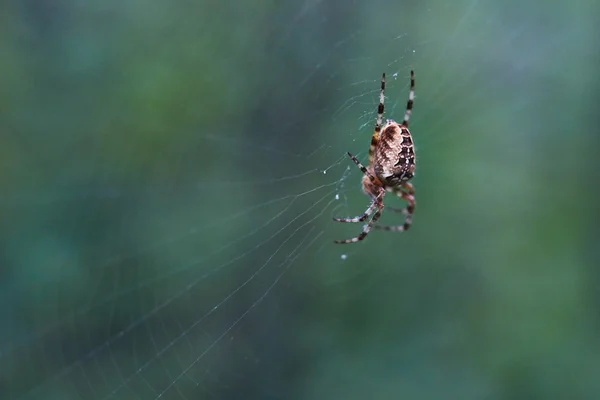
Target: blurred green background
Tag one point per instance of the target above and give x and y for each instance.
(169, 171)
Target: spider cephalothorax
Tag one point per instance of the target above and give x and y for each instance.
(391, 165)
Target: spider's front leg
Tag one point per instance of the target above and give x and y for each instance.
(367, 228)
(374, 191)
(406, 193)
(359, 218)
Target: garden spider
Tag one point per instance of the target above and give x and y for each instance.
(391, 166)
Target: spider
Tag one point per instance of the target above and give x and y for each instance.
(391, 166)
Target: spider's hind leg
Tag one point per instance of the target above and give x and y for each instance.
(364, 170)
(411, 96)
(378, 122)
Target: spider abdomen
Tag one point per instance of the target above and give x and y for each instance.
(394, 160)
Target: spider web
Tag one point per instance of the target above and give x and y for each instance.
(167, 213)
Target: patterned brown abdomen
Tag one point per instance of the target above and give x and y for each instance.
(394, 161)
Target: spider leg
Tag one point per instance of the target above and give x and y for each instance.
(364, 170)
(411, 96)
(408, 189)
(362, 217)
(398, 210)
(406, 193)
(375, 137)
(367, 228)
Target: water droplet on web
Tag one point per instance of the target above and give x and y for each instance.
(343, 256)
(337, 196)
